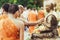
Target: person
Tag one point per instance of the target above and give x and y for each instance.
(9, 30)
(40, 14)
(5, 8)
(27, 18)
(21, 9)
(19, 24)
(32, 17)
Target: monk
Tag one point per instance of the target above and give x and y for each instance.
(32, 17)
(10, 27)
(5, 11)
(40, 14)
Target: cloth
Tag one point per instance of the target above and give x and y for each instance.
(32, 18)
(9, 28)
(40, 14)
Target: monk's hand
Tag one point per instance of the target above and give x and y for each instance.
(40, 21)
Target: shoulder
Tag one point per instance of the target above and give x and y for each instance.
(3, 16)
(19, 23)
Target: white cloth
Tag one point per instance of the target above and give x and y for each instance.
(51, 12)
(1, 11)
(25, 14)
(17, 22)
(59, 18)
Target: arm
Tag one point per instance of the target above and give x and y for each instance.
(21, 31)
(32, 23)
(46, 24)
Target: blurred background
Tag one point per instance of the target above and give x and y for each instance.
(30, 3)
(26, 3)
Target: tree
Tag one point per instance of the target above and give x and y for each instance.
(25, 3)
(3, 1)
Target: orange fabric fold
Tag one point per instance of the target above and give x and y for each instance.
(8, 31)
(32, 18)
(40, 14)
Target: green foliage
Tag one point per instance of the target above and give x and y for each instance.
(28, 3)
(11, 1)
(3, 1)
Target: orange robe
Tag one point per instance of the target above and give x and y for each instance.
(4, 16)
(8, 30)
(32, 18)
(40, 14)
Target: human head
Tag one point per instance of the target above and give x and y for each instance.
(14, 9)
(5, 7)
(21, 8)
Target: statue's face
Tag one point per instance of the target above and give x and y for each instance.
(48, 8)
